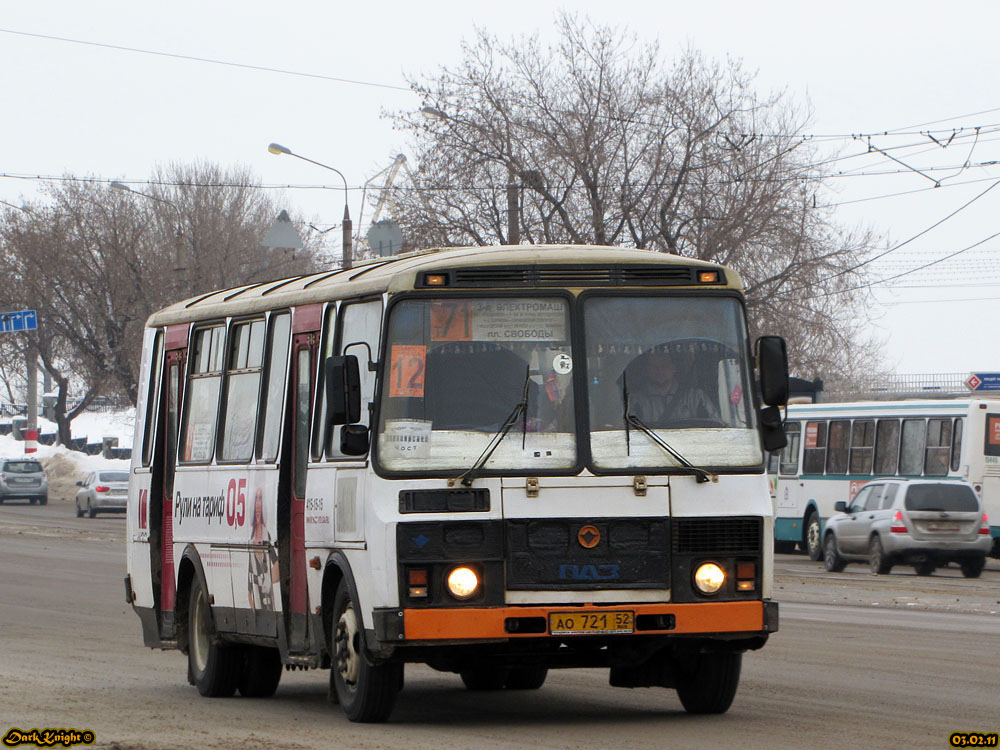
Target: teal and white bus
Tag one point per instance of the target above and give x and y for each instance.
(834, 449)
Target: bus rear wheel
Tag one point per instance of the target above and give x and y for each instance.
(814, 546)
(709, 685)
(213, 666)
(261, 672)
(367, 692)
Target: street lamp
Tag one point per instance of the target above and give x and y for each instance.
(179, 265)
(277, 149)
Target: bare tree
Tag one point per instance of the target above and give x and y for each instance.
(96, 263)
(607, 146)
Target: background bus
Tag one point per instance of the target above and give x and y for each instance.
(441, 458)
(834, 449)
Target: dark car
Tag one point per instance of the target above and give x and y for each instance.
(102, 491)
(918, 522)
(23, 479)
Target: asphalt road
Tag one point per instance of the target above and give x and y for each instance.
(894, 661)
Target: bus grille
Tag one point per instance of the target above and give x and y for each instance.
(704, 536)
(583, 275)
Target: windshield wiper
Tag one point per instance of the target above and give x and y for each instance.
(631, 420)
(520, 411)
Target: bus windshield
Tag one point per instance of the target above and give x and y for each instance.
(458, 368)
(677, 364)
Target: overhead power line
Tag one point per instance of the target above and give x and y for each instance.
(210, 61)
(905, 131)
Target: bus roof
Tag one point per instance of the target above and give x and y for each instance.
(398, 273)
(886, 408)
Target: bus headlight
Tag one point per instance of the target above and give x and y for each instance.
(709, 578)
(463, 583)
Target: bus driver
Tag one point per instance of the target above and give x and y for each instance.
(659, 399)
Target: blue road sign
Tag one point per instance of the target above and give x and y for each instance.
(983, 381)
(22, 320)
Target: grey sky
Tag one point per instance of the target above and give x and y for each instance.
(858, 67)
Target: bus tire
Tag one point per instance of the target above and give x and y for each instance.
(367, 692)
(710, 686)
(213, 666)
(261, 672)
(813, 543)
(526, 678)
(832, 560)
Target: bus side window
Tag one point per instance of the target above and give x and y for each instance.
(359, 322)
(152, 399)
(938, 451)
(274, 388)
(911, 452)
(243, 371)
(862, 446)
(956, 445)
(814, 456)
(839, 440)
(790, 453)
(886, 447)
(201, 402)
(319, 437)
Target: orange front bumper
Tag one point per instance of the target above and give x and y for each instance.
(490, 623)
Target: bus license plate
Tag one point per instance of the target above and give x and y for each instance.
(591, 623)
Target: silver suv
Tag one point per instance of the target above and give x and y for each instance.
(23, 479)
(919, 522)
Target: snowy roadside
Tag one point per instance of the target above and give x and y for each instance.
(65, 467)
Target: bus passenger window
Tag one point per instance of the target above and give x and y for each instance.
(201, 401)
(956, 445)
(911, 453)
(886, 447)
(836, 457)
(246, 358)
(938, 451)
(814, 456)
(862, 446)
(790, 454)
(274, 387)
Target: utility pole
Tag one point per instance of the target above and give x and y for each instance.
(513, 225)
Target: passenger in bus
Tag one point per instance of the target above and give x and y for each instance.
(658, 397)
(263, 569)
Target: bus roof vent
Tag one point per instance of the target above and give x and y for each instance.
(578, 275)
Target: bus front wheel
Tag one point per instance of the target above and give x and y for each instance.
(366, 692)
(709, 685)
(213, 667)
(814, 546)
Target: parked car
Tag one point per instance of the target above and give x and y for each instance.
(102, 491)
(23, 479)
(919, 522)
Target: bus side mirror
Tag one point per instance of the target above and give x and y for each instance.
(343, 389)
(772, 359)
(772, 430)
(354, 440)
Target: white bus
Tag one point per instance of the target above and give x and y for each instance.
(440, 458)
(834, 449)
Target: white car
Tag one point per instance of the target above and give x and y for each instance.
(920, 522)
(102, 491)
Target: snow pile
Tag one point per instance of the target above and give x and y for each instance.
(64, 467)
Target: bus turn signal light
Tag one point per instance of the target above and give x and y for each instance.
(416, 579)
(708, 277)
(435, 279)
